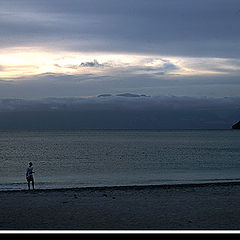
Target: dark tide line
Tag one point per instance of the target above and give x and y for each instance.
(128, 187)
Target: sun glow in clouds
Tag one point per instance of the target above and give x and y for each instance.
(22, 62)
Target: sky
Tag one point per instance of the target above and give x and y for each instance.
(82, 48)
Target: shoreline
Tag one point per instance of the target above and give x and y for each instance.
(129, 187)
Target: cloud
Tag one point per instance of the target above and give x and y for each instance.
(126, 111)
(165, 47)
(159, 66)
(168, 66)
(91, 64)
(2, 68)
(90, 84)
(87, 64)
(203, 28)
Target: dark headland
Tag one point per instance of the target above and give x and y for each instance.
(236, 125)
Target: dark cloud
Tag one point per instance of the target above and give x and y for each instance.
(94, 63)
(189, 28)
(125, 111)
(91, 64)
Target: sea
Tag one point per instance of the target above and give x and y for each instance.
(99, 158)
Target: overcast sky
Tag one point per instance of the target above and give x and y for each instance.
(66, 48)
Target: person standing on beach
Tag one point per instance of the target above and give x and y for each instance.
(29, 175)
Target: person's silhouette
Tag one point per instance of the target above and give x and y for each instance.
(29, 175)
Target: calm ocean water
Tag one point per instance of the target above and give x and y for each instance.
(124, 157)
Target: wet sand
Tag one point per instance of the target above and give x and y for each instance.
(176, 207)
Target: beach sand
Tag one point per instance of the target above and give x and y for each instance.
(183, 207)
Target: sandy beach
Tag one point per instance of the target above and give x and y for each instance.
(176, 207)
